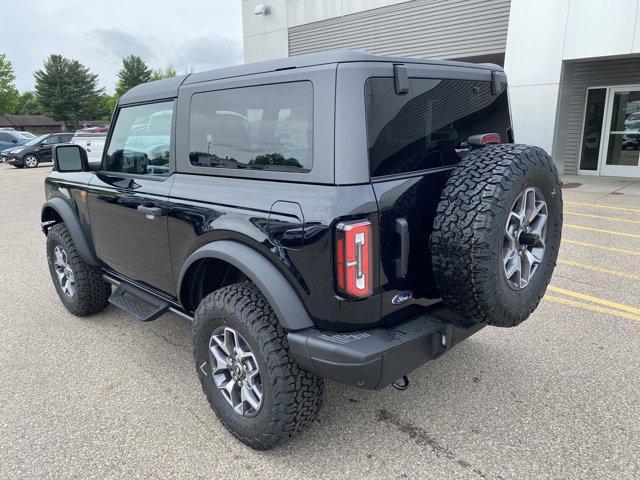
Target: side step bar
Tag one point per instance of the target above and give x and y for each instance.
(135, 301)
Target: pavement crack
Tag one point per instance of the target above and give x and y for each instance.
(166, 339)
(422, 438)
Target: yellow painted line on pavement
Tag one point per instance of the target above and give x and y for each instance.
(589, 298)
(601, 217)
(632, 276)
(593, 308)
(610, 207)
(602, 247)
(610, 232)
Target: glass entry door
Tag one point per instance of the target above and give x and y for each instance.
(620, 152)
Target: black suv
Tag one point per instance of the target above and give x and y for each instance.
(337, 215)
(36, 151)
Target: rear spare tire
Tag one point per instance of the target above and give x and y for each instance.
(497, 233)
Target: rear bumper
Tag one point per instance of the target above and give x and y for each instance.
(376, 357)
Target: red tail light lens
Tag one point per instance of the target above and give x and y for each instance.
(354, 259)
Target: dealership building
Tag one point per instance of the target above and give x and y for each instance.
(573, 65)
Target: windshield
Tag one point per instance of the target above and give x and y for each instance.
(36, 140)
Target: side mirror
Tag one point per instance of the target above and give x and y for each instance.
(70, 158)
(13, 140)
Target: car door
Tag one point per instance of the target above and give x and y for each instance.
(128, 197)
(45, 149)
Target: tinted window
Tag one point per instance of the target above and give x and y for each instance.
(269, 127)
(141, 139)
(592, 130)
(5, 137)
(65, 137)
(429, 126)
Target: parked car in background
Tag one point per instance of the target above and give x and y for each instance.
(36, 151)
(92, 140)
(29, 135)
(11, 139)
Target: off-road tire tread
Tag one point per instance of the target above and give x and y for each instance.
(460, 247)
(92, 291)
(298, 393)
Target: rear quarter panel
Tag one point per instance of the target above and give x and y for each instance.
(207, 208)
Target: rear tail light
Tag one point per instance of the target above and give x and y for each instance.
(354, 259)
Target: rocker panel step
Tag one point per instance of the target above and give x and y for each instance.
(135, 301)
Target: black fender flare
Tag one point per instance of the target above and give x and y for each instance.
(70, 219)
(274, 286)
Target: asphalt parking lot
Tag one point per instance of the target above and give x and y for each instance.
(110, 397)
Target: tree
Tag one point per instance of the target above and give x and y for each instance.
(8, 92)
(28, 105)
(68, 91)
(134, 72)
(160, 73)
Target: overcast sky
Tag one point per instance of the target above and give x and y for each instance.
(202, 34)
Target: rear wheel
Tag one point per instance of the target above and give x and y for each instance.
(497, 233)
(253, 384)
(30, 161)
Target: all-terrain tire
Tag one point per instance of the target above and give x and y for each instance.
(469, 228)
(91, 290)
(292, 396)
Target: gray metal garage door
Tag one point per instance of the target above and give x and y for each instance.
(577, 78)
(419, 28)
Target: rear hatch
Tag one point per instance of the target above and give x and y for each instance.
(414, 141)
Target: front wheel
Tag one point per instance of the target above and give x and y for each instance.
(253, 384)
(80, 286)
(31, 161)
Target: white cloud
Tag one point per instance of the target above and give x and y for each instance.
(202, 34)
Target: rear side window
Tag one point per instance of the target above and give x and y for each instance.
(268, 127)
(141, 139)
(429, 127)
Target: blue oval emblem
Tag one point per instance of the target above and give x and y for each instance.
(402, 297)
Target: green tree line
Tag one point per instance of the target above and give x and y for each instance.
(68, 92)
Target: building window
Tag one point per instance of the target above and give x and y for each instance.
(592, 130)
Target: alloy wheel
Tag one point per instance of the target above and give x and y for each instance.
(524, 239)
(235, 371)
(64, 271)
(30, 161)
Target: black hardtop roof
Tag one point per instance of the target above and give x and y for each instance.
(168, 88)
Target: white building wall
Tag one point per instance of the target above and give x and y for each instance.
(543, 34)
(266, 37)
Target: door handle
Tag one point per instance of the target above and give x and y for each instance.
(150, 212)
(402, 262)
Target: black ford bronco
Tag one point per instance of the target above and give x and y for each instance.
(338, 215)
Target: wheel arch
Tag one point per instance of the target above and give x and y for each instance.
(57, 210)
(243, 260)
